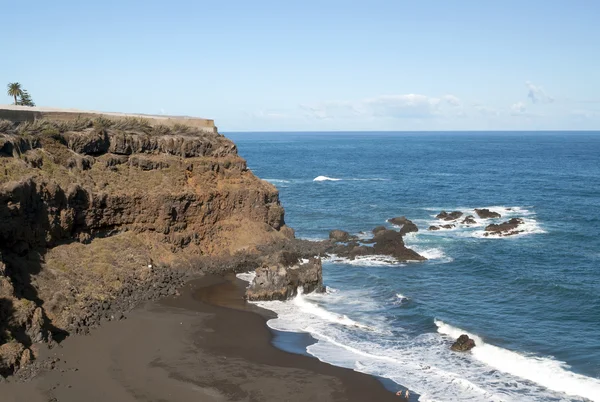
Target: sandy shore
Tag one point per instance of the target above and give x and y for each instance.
(205, 345)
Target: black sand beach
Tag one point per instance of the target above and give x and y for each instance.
(204, 345)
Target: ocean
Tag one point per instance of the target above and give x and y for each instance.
(531, 302)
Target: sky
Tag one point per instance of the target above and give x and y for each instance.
(314, 65)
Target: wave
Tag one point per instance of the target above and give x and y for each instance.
(476, 230)
(529, 227)
(433, 253)
(304, 311)
(401, 299)
(364, 261)
(277, 181)
(246, 276)
(325, 178)
(550, 373)
(424, 362)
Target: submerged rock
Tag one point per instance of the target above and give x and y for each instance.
(485, 213)
(463, 344)
(278, 282)
(449, 216)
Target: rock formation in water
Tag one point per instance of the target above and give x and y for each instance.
(92, 209)
(463, 344)
(384, 242)
(449, 216)
(406, 225)
(485, 213)
(508, 228)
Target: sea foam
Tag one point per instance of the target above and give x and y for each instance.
(547, 372)
(325, 178)
(423, 363)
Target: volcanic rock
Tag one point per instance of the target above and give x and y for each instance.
(378, 229)
(485, 213)
(506, 228)
(463, 344)
(469, 220)
(277, 282)
(407, 226)
(449, 216)
(339, 235)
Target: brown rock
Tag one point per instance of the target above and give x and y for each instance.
(280, 283)
(469, 220)
(339, 235)
(463, 344)
(407, 226)
(485, 213)
(506, 228)
(449, 216)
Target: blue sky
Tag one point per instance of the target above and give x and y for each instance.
(314, 65)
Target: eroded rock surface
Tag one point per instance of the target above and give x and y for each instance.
(508, 228)
(98, 215)
(281, 282)
(463, 344)
(485, 213)
(406, 225)
(449, 216)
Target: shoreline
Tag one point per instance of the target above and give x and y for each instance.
(206, 344)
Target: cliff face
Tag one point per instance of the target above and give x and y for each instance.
(88, 206)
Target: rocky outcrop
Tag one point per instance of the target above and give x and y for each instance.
(449, 216)
(508, 228)
(469, 220)
(97, 211)
(384, 242)
(463, 344)
(406, 225)
(485, 213)
(339, 235)
(281, 282)
(446, 226)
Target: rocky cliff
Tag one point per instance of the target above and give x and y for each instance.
(90, 207)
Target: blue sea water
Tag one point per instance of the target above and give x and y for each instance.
(532, 301)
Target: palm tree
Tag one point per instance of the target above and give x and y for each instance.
(14, 90)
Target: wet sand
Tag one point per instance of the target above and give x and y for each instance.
(205, 345)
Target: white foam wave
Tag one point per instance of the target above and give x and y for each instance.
(246, 276)
(305, 312)
(529, 227)
(544, 371)
(277, 180)
(423, 363)
(434, 253)
(325, 178)
(400, 298)
(364, 261)
(476, 230)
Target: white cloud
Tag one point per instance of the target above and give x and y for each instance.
(585, 113)
(518, 108)
(388, 106)
(270, 114)
(485, 110)
(537, 94)
(330, 110)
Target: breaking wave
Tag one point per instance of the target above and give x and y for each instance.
(544, 371)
